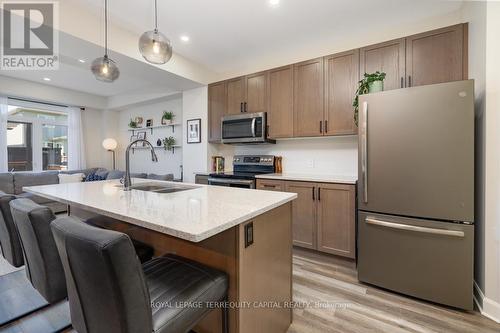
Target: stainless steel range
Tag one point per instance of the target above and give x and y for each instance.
(245, 167)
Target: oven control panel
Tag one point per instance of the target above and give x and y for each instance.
(253, 160)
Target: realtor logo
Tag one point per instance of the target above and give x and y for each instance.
(30, 39)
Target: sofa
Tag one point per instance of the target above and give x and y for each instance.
(13, 182)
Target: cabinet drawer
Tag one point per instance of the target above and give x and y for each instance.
(270, 185)
(422, 258)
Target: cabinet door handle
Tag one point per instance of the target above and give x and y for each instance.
(326, 126)
(321, 126)
(313, 194)
(241, 107)
(402, 82)
(245, 106)
(409, 80)
(319, 193)
(268, 185)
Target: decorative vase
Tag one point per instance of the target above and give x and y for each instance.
(375, 86)
(158, 142)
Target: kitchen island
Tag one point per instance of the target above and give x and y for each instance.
(246, 233)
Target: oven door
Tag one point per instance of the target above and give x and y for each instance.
(244, 128)
(228, 182)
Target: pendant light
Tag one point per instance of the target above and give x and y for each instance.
(104, 68)
(154, 46)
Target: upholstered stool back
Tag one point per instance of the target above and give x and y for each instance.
(43, 265)
(9, 240)
(106, 285)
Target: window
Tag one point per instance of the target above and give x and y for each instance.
(55, 147)
(37, 136)
(19, 146)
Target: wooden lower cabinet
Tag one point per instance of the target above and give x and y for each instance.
(271, 185)
(336, 219)
(303, 213)
(323, 215)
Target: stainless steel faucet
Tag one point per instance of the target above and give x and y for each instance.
(127, 182)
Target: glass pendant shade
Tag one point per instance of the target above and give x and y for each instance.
(155, 47)
(105, 69)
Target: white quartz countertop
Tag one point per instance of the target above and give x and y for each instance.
(340, 179)
(193, 215)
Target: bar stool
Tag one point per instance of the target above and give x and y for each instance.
(43, 265)
(9, 240)
(143, 251)
(109, 291)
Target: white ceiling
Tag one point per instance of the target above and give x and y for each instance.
(135, 76)
(227, 35)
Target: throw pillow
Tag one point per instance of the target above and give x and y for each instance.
(94, 177)
(73, 178)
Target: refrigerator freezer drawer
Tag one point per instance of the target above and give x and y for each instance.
(422, 258)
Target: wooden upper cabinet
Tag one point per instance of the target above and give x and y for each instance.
(235, 95)
(437, 56)
(216, 109)
(256, 92)
(388, 57)
(341, 77)
(336, 219)
(308, 106)
(303, 213)
(280, 111)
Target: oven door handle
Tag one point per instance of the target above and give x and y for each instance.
(254, 121)
(231, 181)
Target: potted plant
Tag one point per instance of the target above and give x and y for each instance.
(167, 118)
(370, 83)
(132, 123)
(169, 143)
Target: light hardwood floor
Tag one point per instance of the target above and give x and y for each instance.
(363, 308)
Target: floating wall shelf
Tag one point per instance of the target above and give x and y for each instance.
(151, 128)
(159, 147)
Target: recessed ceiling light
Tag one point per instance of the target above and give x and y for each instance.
(81, 60)
(46, 79)
(185, 38)
(274, 3)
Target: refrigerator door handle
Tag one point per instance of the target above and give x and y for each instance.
(364, 153)
(444, 232)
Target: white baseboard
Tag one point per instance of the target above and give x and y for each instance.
(488, 307)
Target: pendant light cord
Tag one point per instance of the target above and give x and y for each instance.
(156, 15)
(106, 28)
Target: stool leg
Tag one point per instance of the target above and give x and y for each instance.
(225, 317)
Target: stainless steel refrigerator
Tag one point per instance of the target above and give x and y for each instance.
(416, 192)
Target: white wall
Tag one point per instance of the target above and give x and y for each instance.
(97, 126)
(484, 26)
(492, 164)
(327, 156)
(195, 155)
(140, 161)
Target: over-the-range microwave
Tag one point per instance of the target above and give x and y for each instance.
(245, 128)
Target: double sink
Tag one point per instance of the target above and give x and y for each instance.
(162, 188)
